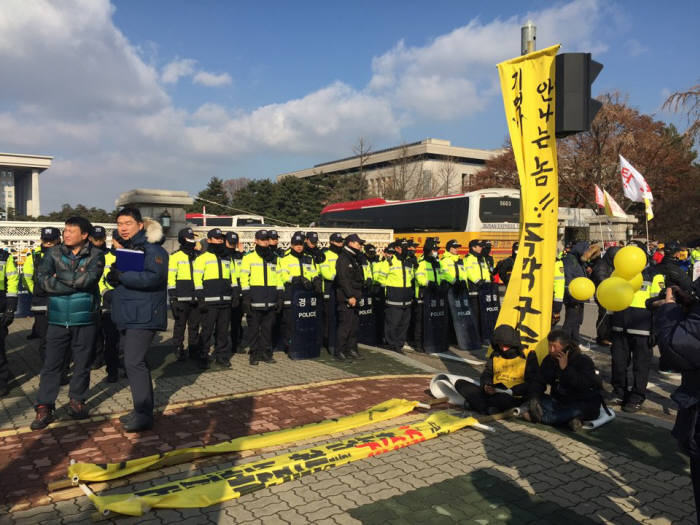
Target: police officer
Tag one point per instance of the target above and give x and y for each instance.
(139, 309)
(181, 294)
(478, 274)
(330, 256)
(488, 258)
(49, 237)
(274, 243)
(631, 342)
(98, 238)
(212, 285)
(350, 279)
(234, 253)
(262, 296)
(397, 278)
(110, 333)
(573, 264)
(429, 275)
(504, 268)
(376, 290)
(9, 285)
(297, 271)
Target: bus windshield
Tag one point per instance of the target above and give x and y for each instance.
(499, 209)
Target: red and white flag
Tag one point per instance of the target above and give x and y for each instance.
(599, 197)
(635, 186)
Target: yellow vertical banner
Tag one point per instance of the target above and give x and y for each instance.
(527, 84)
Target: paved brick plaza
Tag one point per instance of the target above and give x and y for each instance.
(626, 472)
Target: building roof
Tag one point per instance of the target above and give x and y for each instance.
(429, 146)
(21, 160)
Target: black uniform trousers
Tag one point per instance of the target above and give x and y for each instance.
(475, 308)
(603, 325)
(348, 325)
(418, 323)
(480, 402)
(5, 375)
(59, 340)
(396, 321)
(110, 335)
(236, 317)
(187, 315)
(573, 320)
(260, 324)
(216, 321)
(135, 343)
(636, 349)
(41, 325)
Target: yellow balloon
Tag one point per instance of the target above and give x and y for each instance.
(630, 261)
(635, 282)
(581, 288)
(615, 294)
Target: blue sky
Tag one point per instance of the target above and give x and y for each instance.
(166, 94)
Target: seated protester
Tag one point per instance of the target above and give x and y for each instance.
(575, 386)
(507, 368)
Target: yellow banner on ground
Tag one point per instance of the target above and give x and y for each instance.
(527, 84)
(88, 472)
(233, 482)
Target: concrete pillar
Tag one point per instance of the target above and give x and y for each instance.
(33, 208)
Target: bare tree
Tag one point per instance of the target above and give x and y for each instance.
(447, 172)
(233, 185)
(404, 178)
(689, 103)
(362, 150)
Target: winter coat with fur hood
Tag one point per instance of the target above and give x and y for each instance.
(140, 300)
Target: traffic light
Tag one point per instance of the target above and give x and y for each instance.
(575, 109)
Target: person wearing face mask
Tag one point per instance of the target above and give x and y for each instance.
(478, 274)
(396, 275)
(235, 255)
(488, 258)
(298, 271)
(49, 237)
(262, 297)
(274, 243)
(350, 280)
(376, 292)
(183, 302)
(109, 329)
(212, 287)
(327, 269)
(139, 309)
(430, 286)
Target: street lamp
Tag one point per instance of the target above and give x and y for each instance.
(165, 220)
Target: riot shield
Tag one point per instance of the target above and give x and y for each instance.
(435, 321)
(306, 316)
(367, 330)
(465, 329)
(489, 307)
(331, 318)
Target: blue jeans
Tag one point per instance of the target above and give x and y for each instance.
(555, 412)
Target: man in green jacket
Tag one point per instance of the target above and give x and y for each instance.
(69, 274)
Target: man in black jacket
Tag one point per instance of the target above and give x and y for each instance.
(671, 269)
(575, 386)
(349, 280)
(504, 268)
(573, 268)
(677, 325)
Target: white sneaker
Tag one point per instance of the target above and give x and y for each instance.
(671, 374)
(406, 346)
(584, 348)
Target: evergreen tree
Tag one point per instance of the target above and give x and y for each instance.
(214, 192)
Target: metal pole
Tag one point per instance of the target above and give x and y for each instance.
(528, 35)
(646, 222)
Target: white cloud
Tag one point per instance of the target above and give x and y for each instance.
(212, 79)
(172, 71)
(80, 91)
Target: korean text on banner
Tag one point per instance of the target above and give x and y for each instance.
(527, 84)
(81, 472)
(233, 482)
